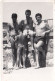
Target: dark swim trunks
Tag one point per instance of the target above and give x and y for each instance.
(37, 39)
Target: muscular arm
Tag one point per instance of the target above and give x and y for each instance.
(19, 35)
(47, 30)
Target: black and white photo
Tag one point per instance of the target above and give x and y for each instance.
(27, 35)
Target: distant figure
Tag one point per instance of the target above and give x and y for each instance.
(42, 29)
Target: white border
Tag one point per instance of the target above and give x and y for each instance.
(28, 0)
(1, 51)
(1, 46)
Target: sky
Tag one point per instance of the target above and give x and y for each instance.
(45, 8)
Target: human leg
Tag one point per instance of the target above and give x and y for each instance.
(37, 48)
(24, 57)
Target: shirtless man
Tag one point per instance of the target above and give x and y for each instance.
(13, 31)
(29, 25)
(41, 29)
(28, 30)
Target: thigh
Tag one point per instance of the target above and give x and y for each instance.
(39, 44)
(24, 52)
(18, 51)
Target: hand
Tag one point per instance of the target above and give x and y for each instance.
(15, 38)
(25, 33)
(34, 33)
(46, 32)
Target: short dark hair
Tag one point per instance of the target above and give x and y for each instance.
(14, 15)
(38, 14)
(29, 11)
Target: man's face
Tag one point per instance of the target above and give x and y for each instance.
(14, 19)
(38, 18)
(27, 15)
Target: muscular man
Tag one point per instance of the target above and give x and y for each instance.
(40, 40)
(13, 31)
(28, 32)
(29, 25)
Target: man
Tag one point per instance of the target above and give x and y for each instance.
(29, 25)
(28, 32)
(28, 21)
(13, 31)
(42, 29)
